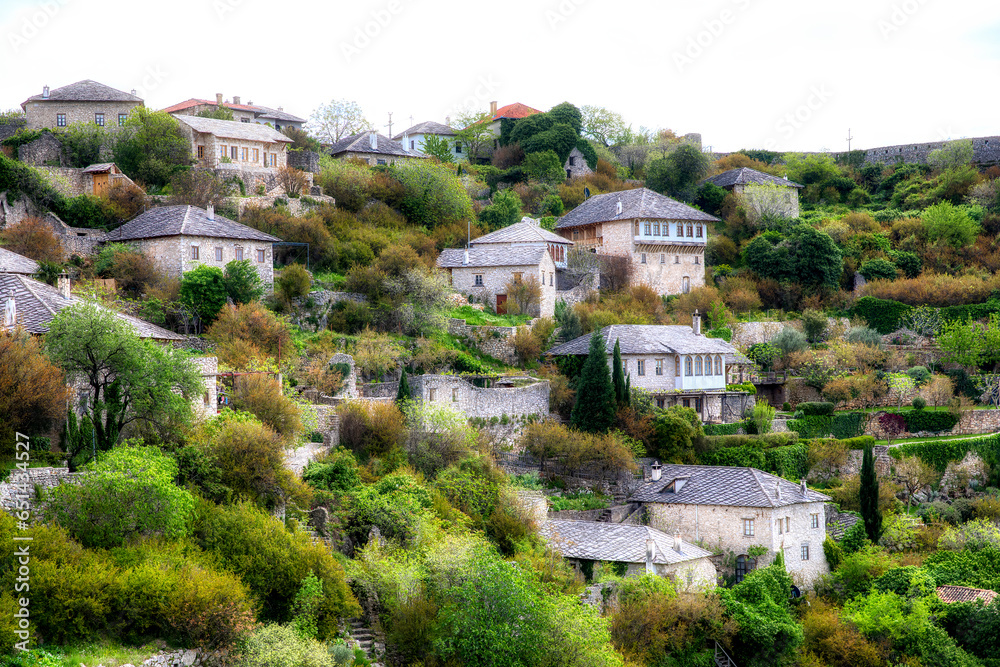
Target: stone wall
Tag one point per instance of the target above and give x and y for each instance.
(44, 113)
(304, 160)
(479, 402)
(22, 485)
(972, 422)
(208, 368)
(746, 334)
(45, 150)
(497, 342)
(493, 281)
(11, 126)
(173, 254)
(985, 150)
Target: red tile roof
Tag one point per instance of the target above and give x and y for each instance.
(193, 102)
(515, 110)
(964, 594)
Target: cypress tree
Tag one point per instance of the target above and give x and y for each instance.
(618, 375)
(868, 495)
(594, 410)
(628, 391)
(403, 393)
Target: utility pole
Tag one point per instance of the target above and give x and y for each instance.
(849, 137)
(389, 125)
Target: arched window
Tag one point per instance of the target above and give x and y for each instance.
(697, 365)
(645, 228)
(685, 285)
(656, 229)
(741, 567)
(677, 365)
(708, 365)
(688, 367)
(718, 365)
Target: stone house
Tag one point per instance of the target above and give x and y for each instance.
(11, 262)
(784, 200)
(485, 272)
(576, 164)
(412, 139)
(278, 118)
(641, 549)
(92, 180)
(525, 234)
(733, 509)
(248, 146)
(676, 364)
(514, 397)
(81, 102)
(372, 148)
(663, 238)
(181, 238)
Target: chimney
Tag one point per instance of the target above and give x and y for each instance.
(655, 471)
(45, 92)
(133, 92)
(696, 322)
(281, 108)
(493, 108)
(805, 490)
(210, 212)
(466, 260)
(236, 99)
(650, 550)
(10, 311)
(373, 140)
(218, 99)
(447, 121)
(677, 542)
(63, 284)
(619, 207)
(777, 490)
(406, 141)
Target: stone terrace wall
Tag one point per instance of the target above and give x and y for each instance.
(497, 342)
(746, 334)
(985, 150)
(22, 484)
(972, 422)
(304, 160)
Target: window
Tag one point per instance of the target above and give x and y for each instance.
(99, 119)
(412, 144)
(697, 365)
(256, 155)
(121, 119)
(708, 365)
(697, 260)
(381, 162)
(194, 252)
(688, 367)
(718, 365)
(552, 279)
(645, 228)
(685, 285)
(636, 227)
(747, 527)
(245, 154)
(218, 254)
(223, 152)
(814, 520)
(687, 402)
(690, 231)
(261, 256)
(677, 365)
(201, 152)
(576, 235)
(741, 563)
(805, 552)
(517, 276)
(780, 527)
(239, 253)
(234, 152)
(661, 402)
(643, 260)
(60, 120)
(274, 160)
(788, 524)
(698, 232)
(458, 148)
(659, 366)
(454, 395)
(640, 366)
(663, 258)
(677, 259)
(656, 229)
(572, 161)
(479, 280)
(431, 394)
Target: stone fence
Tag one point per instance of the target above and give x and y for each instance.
(22, 484)
(497, 342)
(746, 334)
(972, 422)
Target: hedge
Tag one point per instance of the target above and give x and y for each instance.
(848, 425)
(722, 429)
(883, 315)
(929, 420)
(791, 461)
(750, 455)
(939, 453)
(816, 426)
(860, 442)
(765, 441)
(815, 408)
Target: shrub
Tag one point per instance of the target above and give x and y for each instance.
(882, 269)
(336, 471)
(129, 493)
(882, 315)
(789, 340)
(33, 238)
(35, 393)
(920, 374)
(295, 282)
(261, 396)
(203, 290)
(249, 323)
(864, 336)
(371, 429)
(243, 283)
(934, 421)
(281, 646)
(811, 409)
(919, 403)
(815, 324)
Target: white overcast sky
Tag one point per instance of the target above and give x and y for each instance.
(782, 74)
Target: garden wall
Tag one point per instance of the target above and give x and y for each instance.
(497, 342)
(22, 484)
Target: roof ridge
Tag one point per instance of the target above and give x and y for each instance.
(754, 471)
(34, 294)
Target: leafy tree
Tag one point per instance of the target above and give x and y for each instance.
(301, 141)
(504, 210)
(710, 197)
(83, 143)
(594, 410)
(129, 380)
(337, 119)
(34, 239)
(868, 496)
(33, 392)
(130, 492)
(557, 130)
(249, 324)
(203, 290)
(403, 391)
(618, 375)
(882, 269)
(475, 135)
(952, 154)
(544, 166)
(261, 396)
(678, 173)
(676, 430)
(915, 475)
(243, 283)
(432, 195)
(150, 147)
(950, 224)
(603, 125)
(217, 112)
(570, 326)
(438, 147)
(198, 187)
(806, 255)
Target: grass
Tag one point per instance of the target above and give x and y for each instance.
(330, 280)
(580, 501)
(941, 438)
(476, 317)
(107, 653)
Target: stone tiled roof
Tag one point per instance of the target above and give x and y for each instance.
(37, 303)
(648, 339)
(521, 232)
(427, 127)
(360, 143)
(451, 258)
(615, 542)
(746, 176)
(258, 111)
(185, 221)
(276, 114)
(99, 168)
(11, 262)
(234, 129)
(724, 485)
(963, 594)
(638, 203)
(84, 91)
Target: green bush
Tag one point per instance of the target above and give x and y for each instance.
(929, 420)
(882, 315)
(791, 461)
(337, 471)
(941, 452)
(847, 424)
(814, 426)
(722, 429)
(765, 441)
(281, 646)
(859, 442)
(295, 282)
(815, 408)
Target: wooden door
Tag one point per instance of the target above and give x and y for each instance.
(100, 183)
(501, 304)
